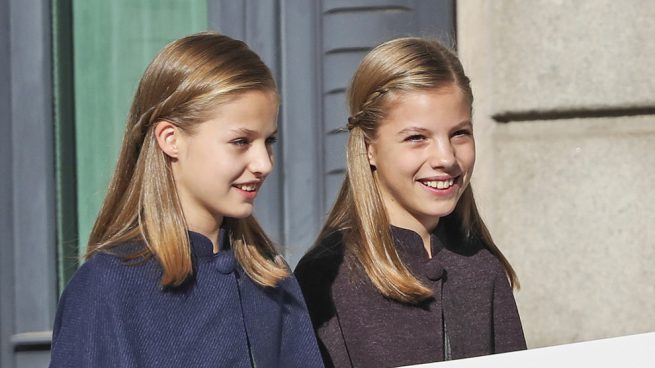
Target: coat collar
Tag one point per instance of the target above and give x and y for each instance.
(202, 248)
(412, 252)
(409, 242)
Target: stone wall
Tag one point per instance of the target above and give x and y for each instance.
(565, 128)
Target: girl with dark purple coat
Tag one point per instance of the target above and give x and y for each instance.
(404, 270)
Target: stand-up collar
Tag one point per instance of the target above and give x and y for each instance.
(202, 247)
(411, 250)
(411, 243)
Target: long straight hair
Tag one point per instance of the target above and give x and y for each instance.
(391, 69)
(183, 84)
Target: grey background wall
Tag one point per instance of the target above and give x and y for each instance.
(565, 127)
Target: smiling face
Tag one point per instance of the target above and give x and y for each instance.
(423, 155)
(220, 165)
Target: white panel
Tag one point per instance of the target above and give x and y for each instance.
(627, 351)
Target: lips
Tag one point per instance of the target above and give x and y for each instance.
(248, 190)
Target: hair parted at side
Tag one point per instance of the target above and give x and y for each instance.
(183, 84)
(390, 69)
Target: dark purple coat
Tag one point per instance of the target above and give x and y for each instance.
(472, 313)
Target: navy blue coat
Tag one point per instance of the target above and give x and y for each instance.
(114, 314)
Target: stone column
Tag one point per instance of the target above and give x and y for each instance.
(565, 127)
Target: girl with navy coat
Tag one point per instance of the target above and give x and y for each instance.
(178, 272)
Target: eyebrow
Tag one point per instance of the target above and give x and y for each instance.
(243, 131)
(412, 129)
(246, 131)
(463, 124)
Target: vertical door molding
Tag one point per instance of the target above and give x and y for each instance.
(31, 237)
(300, 25)
(6, 195)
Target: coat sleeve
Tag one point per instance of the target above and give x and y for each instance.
(316, 281)
(80, 337)
(507, 329)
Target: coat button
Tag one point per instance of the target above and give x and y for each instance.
(225, 262)
(434, 270)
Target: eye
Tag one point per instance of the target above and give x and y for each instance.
(463, 133)
(240, 142)
(271, 140)
(415, 138)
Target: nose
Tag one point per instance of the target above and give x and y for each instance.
(442, 154)
(261, 162)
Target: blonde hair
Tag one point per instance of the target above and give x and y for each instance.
(392, 68)
(182, 85)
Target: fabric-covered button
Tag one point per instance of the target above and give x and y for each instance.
(225, 262)
(434, 270)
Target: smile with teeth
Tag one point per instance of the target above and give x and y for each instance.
(438, 184)
(247, 187)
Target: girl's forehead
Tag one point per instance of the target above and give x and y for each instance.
(250, 112)
(444, 104)
(396, 97)
(255, 95)
(244, 102)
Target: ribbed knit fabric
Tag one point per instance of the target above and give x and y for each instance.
(472, 311)
(114, 314)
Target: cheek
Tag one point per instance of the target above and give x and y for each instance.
(471, 161)
(212, 163)
(225, 166)
(466, 156)
(409, 164)
(398, 162)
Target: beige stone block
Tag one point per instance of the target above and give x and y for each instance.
(569, 55)
(572, 206)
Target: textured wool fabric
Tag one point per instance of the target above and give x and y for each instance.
(472, 308)
(114, 314)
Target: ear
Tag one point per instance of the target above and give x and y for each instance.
(168, 138)
(370, 152)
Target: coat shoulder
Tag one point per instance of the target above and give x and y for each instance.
(322, 262)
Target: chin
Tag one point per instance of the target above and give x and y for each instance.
(442, 212)
(239, 213)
